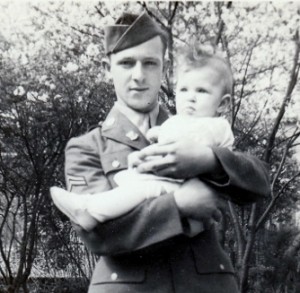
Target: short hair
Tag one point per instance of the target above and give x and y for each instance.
(190, 58)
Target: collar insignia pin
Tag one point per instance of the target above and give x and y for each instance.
(132, 135)
(116, 164)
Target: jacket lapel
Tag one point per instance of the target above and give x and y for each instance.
(119, 128)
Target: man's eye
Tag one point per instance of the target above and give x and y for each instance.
(183, 89)
(126, 63)
(150, 63)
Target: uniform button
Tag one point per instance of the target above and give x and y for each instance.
(132, 135)
(114, 276)
(222, 267)
(115, 164)
(110, 121)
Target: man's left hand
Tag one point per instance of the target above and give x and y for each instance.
(179, 159)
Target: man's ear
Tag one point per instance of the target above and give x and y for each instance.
(106, 65)
(224, 104)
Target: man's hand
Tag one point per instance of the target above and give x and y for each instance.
(133, 159)
(179, 159)
(196, 200)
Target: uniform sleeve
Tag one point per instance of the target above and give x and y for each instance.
(153, 221)
(245, 178)
(83, 170)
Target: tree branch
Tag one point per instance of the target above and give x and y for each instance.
(86, 32)
(256, 120)
(170, 21)
(273, 201)
(144, 5)
(221, 23)
(283, 159)
(238, 231)
(286, 100)
(99, 11)
(249, 53)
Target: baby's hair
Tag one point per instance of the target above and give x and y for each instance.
(193, 57)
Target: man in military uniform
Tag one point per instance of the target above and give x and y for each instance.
(150, 249)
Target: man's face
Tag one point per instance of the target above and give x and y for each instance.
(137, 74)
(199, 92)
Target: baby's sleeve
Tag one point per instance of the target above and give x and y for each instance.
(226, 134)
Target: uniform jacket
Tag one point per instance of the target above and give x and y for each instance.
(148, 249)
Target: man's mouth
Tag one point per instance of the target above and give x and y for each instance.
(138, 89)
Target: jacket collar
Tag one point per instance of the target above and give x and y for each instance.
(118, 127)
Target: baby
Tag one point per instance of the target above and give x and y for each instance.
(203, 93)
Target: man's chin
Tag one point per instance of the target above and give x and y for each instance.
(143, 108)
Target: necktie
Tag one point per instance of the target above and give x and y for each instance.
(145, 125)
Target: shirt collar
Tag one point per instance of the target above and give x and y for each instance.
(138, 118)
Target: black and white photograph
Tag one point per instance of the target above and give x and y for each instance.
(149, 146)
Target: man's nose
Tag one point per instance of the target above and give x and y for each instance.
(138, 72)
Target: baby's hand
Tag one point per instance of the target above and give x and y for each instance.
(152, 134)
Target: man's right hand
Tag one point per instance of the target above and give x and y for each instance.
(133, 160)
(198, 201)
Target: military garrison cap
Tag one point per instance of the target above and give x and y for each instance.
(131, 30)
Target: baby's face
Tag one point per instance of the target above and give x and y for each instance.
(198, 92)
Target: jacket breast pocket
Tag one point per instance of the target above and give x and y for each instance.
(118, 270)
(115, 161)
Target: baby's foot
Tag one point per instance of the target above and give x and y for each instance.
(73, 205)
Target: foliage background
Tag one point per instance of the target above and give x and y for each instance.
(52, 87)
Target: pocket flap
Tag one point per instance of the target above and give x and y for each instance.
(109, 270)
(116, 161)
